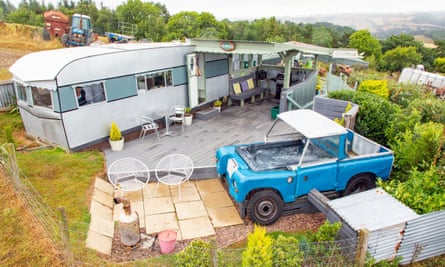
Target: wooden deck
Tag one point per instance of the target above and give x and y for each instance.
(234, 125)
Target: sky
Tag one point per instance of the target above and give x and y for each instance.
(251, 9)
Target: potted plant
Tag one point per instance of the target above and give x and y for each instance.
(188, 116)
(217, 105)
(116, 139)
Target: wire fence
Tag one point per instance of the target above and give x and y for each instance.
(69, 238)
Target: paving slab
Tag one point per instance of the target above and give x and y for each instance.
(104, 186)
(187, 194)
(100, 210)
(188, 210)
(132, 196)
(158, 205)
(159, 222)
(196, 227)
(102, 226)
(151, 191)
(98, 242)
(217, 200)
(226, 216)
(103, 197)
(209, 186)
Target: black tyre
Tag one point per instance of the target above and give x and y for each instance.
(265, 207)
(360, 183)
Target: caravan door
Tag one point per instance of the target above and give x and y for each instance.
(196, 80)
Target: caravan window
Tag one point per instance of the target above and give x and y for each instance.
(87, 94)
(21, 92)
(154, 80)
(41, 97)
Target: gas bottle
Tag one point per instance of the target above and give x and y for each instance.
(129, 229)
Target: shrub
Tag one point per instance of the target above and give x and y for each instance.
(286, 251)
(326, 232)
(375, 115)
(403, 94)
(417, 148)
(431, 109)
(197, 253)
(259, 249)
(439, 64)
(346, 95)
(115, 132)
(378, 87)
(423, 191)
(406, 120)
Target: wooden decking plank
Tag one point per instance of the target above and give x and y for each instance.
(234, 125)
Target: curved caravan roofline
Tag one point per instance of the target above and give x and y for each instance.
(78, 64)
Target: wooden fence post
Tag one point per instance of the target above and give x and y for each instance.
(214, 253)
(362, 247)
(65, 236)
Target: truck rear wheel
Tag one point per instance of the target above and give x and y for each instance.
(360, 183)
(265, 207)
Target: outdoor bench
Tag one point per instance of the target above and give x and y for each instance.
(243, 88)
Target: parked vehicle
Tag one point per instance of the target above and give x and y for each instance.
(118, 38)
(302, 150)
(80, 33)
(56, 25)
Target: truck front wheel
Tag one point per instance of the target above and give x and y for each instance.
(265, 207)
(359, 184)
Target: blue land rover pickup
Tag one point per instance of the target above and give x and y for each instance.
(301, 151)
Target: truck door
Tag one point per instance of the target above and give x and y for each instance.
(318, 166)
(319, 175)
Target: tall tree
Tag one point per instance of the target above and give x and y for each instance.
(149, 18)
(322, 37)
(399, 58)
(364, 42)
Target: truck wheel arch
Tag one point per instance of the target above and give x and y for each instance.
(264, 206)
(359, 183)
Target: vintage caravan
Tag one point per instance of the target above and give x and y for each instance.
(118, 82)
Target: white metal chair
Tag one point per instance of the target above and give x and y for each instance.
(173, 170)
(176, 115)
(128, 174)
(147, 124)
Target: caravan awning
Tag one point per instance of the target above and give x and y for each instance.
(241, 47)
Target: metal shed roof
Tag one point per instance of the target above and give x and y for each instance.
(311, 124)
(374, 209)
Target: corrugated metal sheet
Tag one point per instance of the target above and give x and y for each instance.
(374, 209)
(7, 94)
(378, 212)
(424, 238)
(414, 76)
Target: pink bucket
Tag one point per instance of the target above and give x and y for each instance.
(167, 241)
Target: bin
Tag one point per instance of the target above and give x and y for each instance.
(274, 112)
(167, 241)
